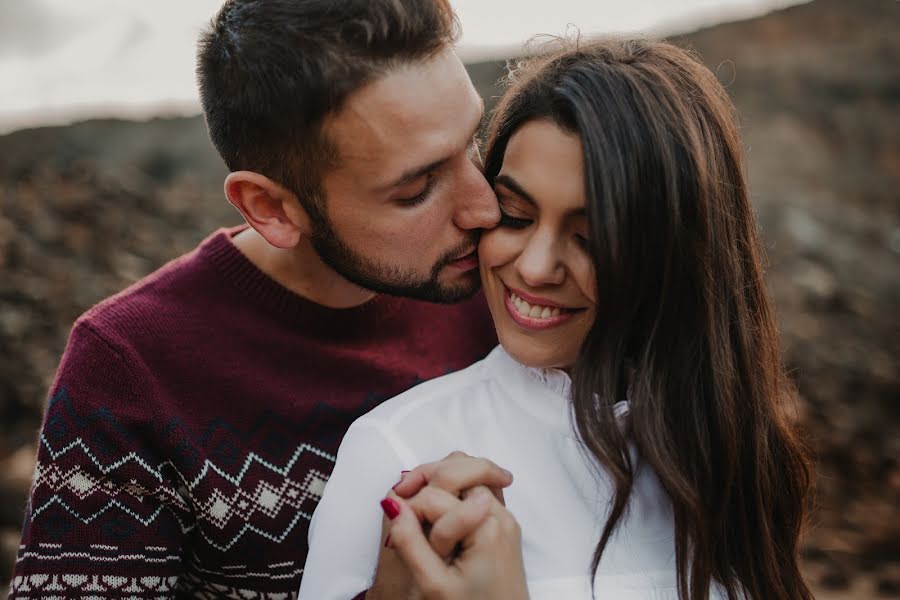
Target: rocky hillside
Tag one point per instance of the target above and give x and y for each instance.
(90, 208)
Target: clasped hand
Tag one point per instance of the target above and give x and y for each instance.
(447, 535)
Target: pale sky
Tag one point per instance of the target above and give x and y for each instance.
(62, 60)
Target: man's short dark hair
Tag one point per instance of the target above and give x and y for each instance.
(270, 71)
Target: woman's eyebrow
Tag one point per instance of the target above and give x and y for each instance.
(514, 186)
(508, 182)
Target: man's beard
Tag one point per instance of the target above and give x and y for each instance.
(390, 279)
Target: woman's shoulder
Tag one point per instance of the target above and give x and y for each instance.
(459, 385)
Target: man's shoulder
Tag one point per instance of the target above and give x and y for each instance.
(443, 391)
(170, 289)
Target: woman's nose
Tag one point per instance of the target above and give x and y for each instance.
(539, 263)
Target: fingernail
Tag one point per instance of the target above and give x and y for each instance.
(390, 508)
(387, 541)
(402, 475)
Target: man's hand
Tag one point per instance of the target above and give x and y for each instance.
(435, 492)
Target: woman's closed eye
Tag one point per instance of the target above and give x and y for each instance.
(580, 231)
(513, 222)
(511, 214)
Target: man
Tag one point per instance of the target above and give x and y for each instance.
(195, 416)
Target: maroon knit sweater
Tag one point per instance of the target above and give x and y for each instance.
(194, 421)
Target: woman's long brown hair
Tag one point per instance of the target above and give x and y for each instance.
(685, 327)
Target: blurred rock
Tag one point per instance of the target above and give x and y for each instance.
(16, 471)
(836, 579)
(18, 468)
(9, 546)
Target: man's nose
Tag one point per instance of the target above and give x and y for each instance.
(477, 206)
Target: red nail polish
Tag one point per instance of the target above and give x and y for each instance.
(390, 508)
(387, 541)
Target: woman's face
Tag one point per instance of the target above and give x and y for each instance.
(536, 272)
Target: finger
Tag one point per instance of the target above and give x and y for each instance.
(500, 526)
(431, 503)
(411, 482)
(453, 474)
(392, 577)
(463, 472)
(496, 492)
(460, 522)
(408, 540)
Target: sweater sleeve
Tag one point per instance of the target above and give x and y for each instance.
(345, 531)
(104, 518)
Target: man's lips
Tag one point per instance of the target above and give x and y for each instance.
(467, 261)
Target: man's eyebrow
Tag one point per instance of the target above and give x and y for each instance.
(413, 174)
(513, 185)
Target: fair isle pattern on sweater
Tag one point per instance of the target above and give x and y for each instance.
(222, 503)
(228, 506)
(49, 586)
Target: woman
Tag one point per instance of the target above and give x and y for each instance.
(637, 395)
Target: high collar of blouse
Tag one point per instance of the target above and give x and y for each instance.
(556, 381)
(554, 404)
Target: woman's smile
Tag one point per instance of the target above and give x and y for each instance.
(533, 312)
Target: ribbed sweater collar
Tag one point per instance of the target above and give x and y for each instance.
(259, 289)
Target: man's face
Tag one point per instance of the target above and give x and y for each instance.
(406, 202)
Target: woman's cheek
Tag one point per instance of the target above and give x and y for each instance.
(497, 247)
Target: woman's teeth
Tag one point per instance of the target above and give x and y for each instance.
(534, 311)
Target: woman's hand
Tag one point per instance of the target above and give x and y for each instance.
(472, 551)
(456, 473)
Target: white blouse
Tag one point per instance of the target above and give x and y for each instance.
(519, 418)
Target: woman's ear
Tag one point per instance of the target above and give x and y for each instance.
(269, 208)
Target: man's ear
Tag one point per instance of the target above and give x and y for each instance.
(268, 207)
